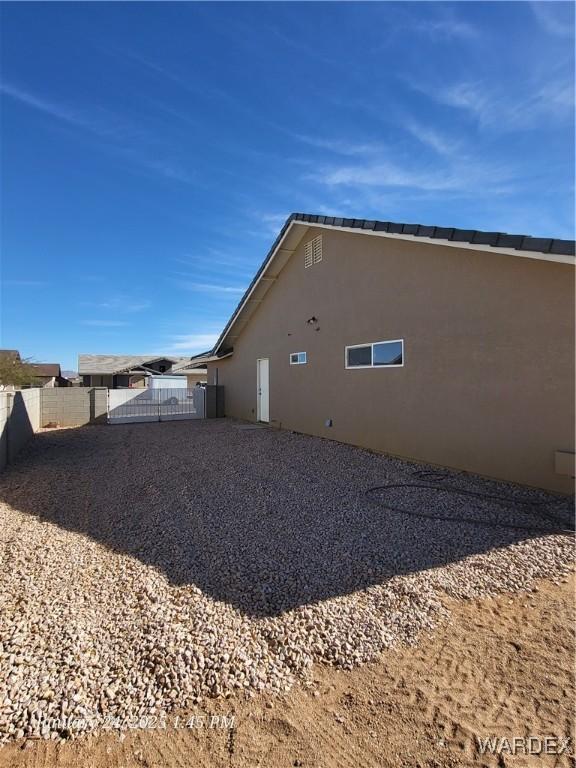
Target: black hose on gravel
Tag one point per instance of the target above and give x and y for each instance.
(536, 506)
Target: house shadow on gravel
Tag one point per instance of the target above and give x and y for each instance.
(263, 520)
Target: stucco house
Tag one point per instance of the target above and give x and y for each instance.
(123, 371)
(448, 346)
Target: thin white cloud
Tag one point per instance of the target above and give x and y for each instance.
(26, 283)
(99, 122)
(432, 138)
(440, 25)
(273, 222)
(120, 303)
(169, 170)
(187, 82)
(463, 177)
(91, 278)
(214, 288)
(299, 43)
(503, 111)
(42, 105)
(445, 29)
(557, 18)
(339, 146)
(210, 259)
(532, 219)
(166, 168)
(105, 323)
(121, 137)
(270, 224)
(193, 342)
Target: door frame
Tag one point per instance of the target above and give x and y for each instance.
(259, 408)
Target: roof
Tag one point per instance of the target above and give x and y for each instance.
(546, 249)
(46, 369)
(11, 354)
(199, 361)
(104, 364)
(453, 234)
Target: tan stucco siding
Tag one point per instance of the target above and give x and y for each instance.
(195, 377)
(488, 377)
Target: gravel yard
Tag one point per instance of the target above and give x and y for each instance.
(146, 567)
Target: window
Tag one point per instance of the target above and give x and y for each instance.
(313, 251)
(380, 354)
(298, 358)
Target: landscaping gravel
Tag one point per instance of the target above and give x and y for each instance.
(145, 567)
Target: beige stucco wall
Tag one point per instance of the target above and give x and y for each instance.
(195, 376)
(488, 380)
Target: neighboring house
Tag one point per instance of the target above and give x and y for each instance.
(448, 346)
(48, 375)
(194, 374)
(196, 377)
(30, 375)
(9, 360)
(73, 378)
(11, 355)
(122, 371)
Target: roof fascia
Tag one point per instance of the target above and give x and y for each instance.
(554, 257)
(263, 269)
(557, 257)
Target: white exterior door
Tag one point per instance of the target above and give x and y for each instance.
(263, 390)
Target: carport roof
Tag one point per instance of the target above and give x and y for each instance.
(543, 248)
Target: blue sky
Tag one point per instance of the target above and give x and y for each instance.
(151, 151)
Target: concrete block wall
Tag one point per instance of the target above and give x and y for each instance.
(73, 406)
(5, 408)
(19, 420)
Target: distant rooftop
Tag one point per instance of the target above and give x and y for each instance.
(116, 363)
(46, 369)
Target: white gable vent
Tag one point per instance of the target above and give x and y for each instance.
(313, 251)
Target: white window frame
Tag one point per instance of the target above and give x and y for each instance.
(372, 344)
(298, 362)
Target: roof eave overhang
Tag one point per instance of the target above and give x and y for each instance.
(288, 241)
(539, 256)
(201, 362)
(286, 244)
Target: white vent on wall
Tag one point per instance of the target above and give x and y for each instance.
(313, 251)
(317, 249)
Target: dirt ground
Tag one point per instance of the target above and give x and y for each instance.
(503, 667)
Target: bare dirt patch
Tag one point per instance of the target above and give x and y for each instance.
(155, 570)
(501, 667)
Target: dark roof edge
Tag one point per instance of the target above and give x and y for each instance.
(554, 246)
(472, 236)
(262, 267)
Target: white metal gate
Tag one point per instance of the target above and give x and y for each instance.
(126, 406)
